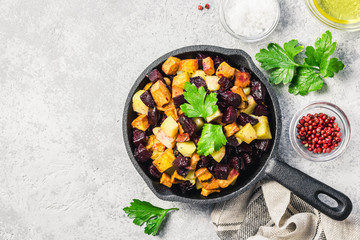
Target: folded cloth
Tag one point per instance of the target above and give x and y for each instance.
(270, 211)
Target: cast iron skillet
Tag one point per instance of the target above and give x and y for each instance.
(270, 166)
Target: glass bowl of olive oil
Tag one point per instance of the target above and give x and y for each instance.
(339, 14)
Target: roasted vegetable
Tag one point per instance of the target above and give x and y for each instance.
(219, 155)
(186, 148)
(170, 127)
(171, 65)
(247, 133)
(166, 180)
(141, 122)
(242, 79)
(164, 161)
(262, 128)
(208, 66)
(137, 103)
(169, 142)
(160, 93)
(189, 65)
(212, 83)
(225, 70)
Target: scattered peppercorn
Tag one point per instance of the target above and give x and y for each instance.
(318, 132)
(207, 6)
(200, 7)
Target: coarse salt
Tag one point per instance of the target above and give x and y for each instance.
(250, 17)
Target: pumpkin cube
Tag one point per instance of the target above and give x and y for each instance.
(147, 86)
(141, 122)
(231, 129)
(171, 65)
(225, 70)
(169, 142)
(177, 91)
(158, 146)
(242, 79)
(160, 93)
(195, 158)
(233, 175)
(165, 180)
(164, 161)
(189, 65)
(206, 192)
(247, 133)
(180, 80)
(208, 66)
(262, 128)
(150, 143)
(204, 176)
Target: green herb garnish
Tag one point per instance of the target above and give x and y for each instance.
(199, 103)
(304, 78)
(145, 212)
(211, 140)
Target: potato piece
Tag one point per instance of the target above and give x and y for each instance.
(215, 115)
(212, 83)
(170, 127)
(191, 177)
(198, 185)
(247, 133)
(171, 65)
(184, 137)
(225, 70)
(231, 179)
(206, 192)
(189, 65)
(147, 86)
(199, 123)
(137, 103)
(156, 154)
(169, 142)
(242, 79)
(141, 122)
(180, 80)
(186, 148)
(165, 180)
(251, 105)
(176, 91)
(164, 161)
(160, 93)
(231, 129)
(195, 158)
(262, 128)
(247, 91)
(155, 130)
(199, 73)
(219, 155)
(208, 66)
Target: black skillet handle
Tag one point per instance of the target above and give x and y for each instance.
(309, 189)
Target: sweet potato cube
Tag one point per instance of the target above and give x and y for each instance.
(206, 192)
(231, 129)
(233, 175)
(204, 176)
(169, 142)
(239, 90)
(158, 146)
(171, 65)
(212, 185)
(141, 122)
(242, 79)
(189, 65)
(262, 128)
(247, 133)
(156, 154)
(181, 130)
(150, 143)
(165, 180)
(180, 80)
(160, 93)
(184, 137)
(170, 127)
(164, 161)
(225, 70)
(171, 112)
(147, 86)
(195, 158)
(176, 91)
(175, 176)
(208, 66)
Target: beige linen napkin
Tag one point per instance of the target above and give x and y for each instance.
(272, 212)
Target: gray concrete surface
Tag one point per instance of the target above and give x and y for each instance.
(65, 70)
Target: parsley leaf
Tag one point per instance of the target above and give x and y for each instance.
(145, 212)
(305, 77)
(200, 104)
(280, 59)
(211, 140)
(306, 80)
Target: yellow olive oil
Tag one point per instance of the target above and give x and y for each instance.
(339, 11)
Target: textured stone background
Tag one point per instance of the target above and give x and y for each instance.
(65, 70)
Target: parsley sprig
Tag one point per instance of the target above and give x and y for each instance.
(145, 212)
(203, 105)
(303, 78)
(200, 104)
